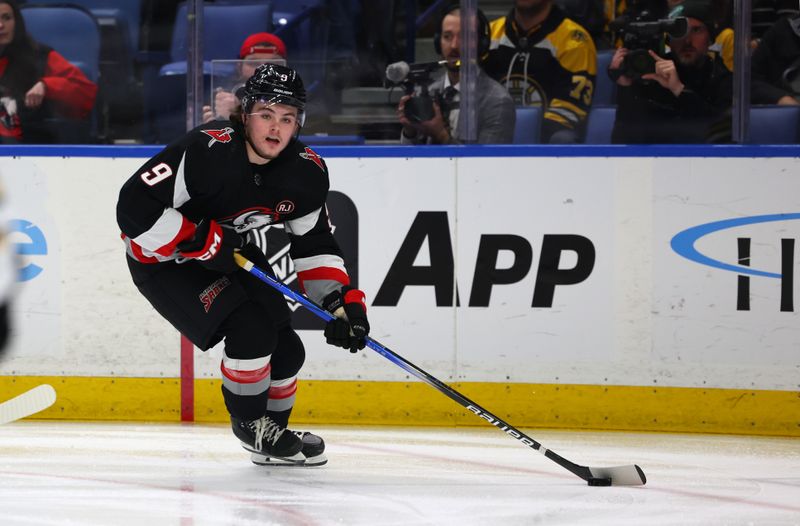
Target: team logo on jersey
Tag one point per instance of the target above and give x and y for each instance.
(525, 91)
(223, 135)
(311, 155)
(251, 219)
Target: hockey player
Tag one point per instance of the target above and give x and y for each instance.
(545, 59)
(185, 212)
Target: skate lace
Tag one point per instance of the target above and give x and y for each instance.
(267, 430)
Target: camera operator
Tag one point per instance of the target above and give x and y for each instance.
(495, 108)
(686, 97)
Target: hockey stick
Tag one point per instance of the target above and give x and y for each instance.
(28, 403)
(630, 475)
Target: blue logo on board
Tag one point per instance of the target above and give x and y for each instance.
(684, 242)
(36, 245)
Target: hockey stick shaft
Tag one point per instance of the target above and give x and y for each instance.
(28, 403)
(583, 472)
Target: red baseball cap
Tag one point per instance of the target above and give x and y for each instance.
(262, 43)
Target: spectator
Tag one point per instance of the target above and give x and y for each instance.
(590, 15)
(36, 83)
(545, 59)
(767, 12)
(612, 10)
(776, 65)
(686, 99)
(495, 108)
(724, 43)
(256, 49)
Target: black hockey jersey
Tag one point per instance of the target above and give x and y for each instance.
(207, 175)
(553, 66)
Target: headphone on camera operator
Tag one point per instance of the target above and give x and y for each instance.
(420, 107)
(484, 36)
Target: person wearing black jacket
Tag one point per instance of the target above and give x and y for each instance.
(688, 97)
(776, 65)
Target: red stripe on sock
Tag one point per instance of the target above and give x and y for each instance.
(284, 391)
(246, 377)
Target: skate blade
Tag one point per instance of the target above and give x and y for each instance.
(298, 459)
(318, 460)
(262, 460)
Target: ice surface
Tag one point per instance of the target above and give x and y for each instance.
(73, 473)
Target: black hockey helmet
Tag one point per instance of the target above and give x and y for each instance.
(274, 84)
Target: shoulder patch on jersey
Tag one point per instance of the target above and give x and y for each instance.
(223, 135)
(285, 207)
(310, 155)
(578, 36)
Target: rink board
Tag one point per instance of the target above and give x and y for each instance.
(560, 291)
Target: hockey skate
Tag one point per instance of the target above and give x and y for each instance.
(265, 439)
(313, 450)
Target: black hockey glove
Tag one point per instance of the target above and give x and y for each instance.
(350, 327)
(212, 246)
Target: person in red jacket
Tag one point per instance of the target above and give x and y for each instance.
(36, 83)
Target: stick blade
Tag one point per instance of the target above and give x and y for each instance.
(28, 403)
(621, 475)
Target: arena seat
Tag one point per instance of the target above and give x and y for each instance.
(225, 26)
(70, 30)
(600, 124)
(73, 32)
(605, 90)
(303, 25)
(126, 15)
(119, 99)
(528, 126)
(773, 124)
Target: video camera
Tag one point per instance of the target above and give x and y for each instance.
(641, 34)
(419, 107)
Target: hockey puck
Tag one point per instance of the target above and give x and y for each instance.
(599, 482)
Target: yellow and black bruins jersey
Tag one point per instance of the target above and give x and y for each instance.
(552, 65)
(723, 45)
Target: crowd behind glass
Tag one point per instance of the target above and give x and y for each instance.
(641, 71)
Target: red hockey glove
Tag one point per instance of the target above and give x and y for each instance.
(212, 246)
(350, 327)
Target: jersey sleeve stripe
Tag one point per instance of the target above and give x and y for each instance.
(169, 230)
(303, 225)
(180, 194)
(136, 252)
(322, 260)
(324, 273)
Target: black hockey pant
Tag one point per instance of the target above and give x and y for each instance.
(262, 353)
